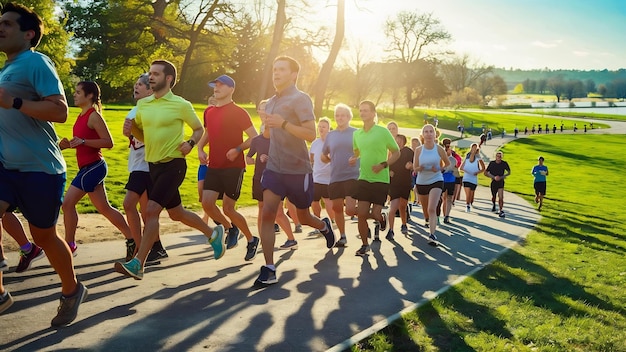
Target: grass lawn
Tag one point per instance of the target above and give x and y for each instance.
(561, 290)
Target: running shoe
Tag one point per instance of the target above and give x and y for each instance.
(156, 256)
(131, 246)
(252, 248)
(493, 209)
(468, 208)
(266, 277)
(217, 242)
(6, 301)
(298, 229)
(329, 234)
(276, 228)
(74, 249)
(68, 307)
(132, 268)
(362, 251)
(232, 238)
(446, 220)
(432, 240)
(343, 242)
(539, 207)
(426, 223)
(404, 229)
(4, 265)
(383, 222)
(27, 259)
(501, 214)
(389, 235)
(315, 232)
(290, 244)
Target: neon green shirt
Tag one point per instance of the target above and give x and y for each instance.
(162, 121)
(372, 147)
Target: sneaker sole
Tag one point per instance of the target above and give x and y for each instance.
(292, 248)
(82, 299)
(120, 268)
(30, 265)
(341, 245)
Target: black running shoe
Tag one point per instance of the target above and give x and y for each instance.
(266, 277)
(232, 238)
(252, 248)
(156, 256)
(329, 234)
(362, 251)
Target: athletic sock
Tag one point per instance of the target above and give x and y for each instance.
(27, 247)
(271, 266)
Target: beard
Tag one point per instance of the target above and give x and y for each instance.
(157, 86)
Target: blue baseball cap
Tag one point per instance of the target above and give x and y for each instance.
(224, 79)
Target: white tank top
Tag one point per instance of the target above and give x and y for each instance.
(471, 168)
(429, 158)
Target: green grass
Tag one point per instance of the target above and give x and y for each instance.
(561, 290)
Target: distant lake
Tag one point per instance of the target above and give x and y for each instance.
(564, 107)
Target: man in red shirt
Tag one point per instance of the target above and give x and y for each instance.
(225, 123)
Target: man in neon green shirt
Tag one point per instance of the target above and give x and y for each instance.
(160, 123)
(377, 149)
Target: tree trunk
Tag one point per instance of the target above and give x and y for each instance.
(319, 89)
(279, 32)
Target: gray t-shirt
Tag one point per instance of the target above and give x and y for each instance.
(28, 144)
(339, 145)
(288, 153)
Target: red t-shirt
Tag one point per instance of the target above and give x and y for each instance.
(86, 155)
(225, 126)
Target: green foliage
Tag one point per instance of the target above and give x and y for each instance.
(562, 290)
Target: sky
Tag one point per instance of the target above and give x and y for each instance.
(530, 34)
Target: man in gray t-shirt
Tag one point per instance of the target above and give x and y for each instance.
(289, 115)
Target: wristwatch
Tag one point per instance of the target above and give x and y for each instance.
(17, 103)
(191, 142)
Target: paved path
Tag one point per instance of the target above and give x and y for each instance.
(324, 297)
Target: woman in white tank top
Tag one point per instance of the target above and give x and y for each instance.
(471, 167)
(429, 159)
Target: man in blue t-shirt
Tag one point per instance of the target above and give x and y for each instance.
(32, 169)
(540, 171)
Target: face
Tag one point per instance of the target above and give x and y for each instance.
(158, 80)
(282, 75)
(12, 39)
(222, 91)
(415, 143)
(342, 117)
(261, 111)
(323, 128)
(366, 112)
(429, 133)
(498, 157)
(393, 128)
(474, 149)
(399, 141)
(80, 99)
(141, 90)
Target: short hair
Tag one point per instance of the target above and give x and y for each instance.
(446, 141)
(345, 107)
(325, 119)
(403, 137)
(294, 66)
(369, 103)
(145, 79)
(392, 123)
(168, 69)
(90, 87)
(28, 21)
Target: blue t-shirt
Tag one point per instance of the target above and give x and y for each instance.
(28, 144)
(338, 145)
(537, 173)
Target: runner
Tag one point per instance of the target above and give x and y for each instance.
(497, 171)
(539, 171)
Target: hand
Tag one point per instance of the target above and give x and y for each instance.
(391, 173)
(542, 172)
(184, 148)
(377, 168)
(76, 141)
(128, 126)
(232, 154)
(64, 144)
(274, 120)
(264, 158)
(352, 160)
(497, 178)
(418, 168)
(408, 165)
(202, 156)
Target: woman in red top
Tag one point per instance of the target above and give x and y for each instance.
(90, 134)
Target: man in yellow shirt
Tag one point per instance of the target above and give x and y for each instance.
(160, 123)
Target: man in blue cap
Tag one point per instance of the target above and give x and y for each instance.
(225, 123)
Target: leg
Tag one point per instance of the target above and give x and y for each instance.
(328, 205)
(271, 201)
(402, 204)
(393, 207)
(239, 220)
(150, 231)
(14, 228)
(363, 210)
(70, 215)
(423, 198)
(132, 215)
(101, 202)
(340, 220)
(209, 204)
(317, 208)
(434, 196)
(59, 255)
(501, 198)
(283, 221)
(190, 219)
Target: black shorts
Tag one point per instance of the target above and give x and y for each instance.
(342, 189)
(257, 189)
(166, 178)
(224, 181)
(396, 192)
(471, 186)
(449, 187)
(320, 191)
(424, 190)
(540, 187)
(458, 180)
(372, 192)
(495, 186)
(139, 182)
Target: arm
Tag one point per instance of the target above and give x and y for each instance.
(202, 155)
(232, 153)
(444, 156)
(52, 108)
(198, 132)
(305, 131)
(416, 160)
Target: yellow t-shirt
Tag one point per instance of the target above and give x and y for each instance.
(162, 121)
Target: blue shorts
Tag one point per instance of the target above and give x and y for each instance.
(91, 175)
(36, 194)
(202, 169)
(297, 188)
